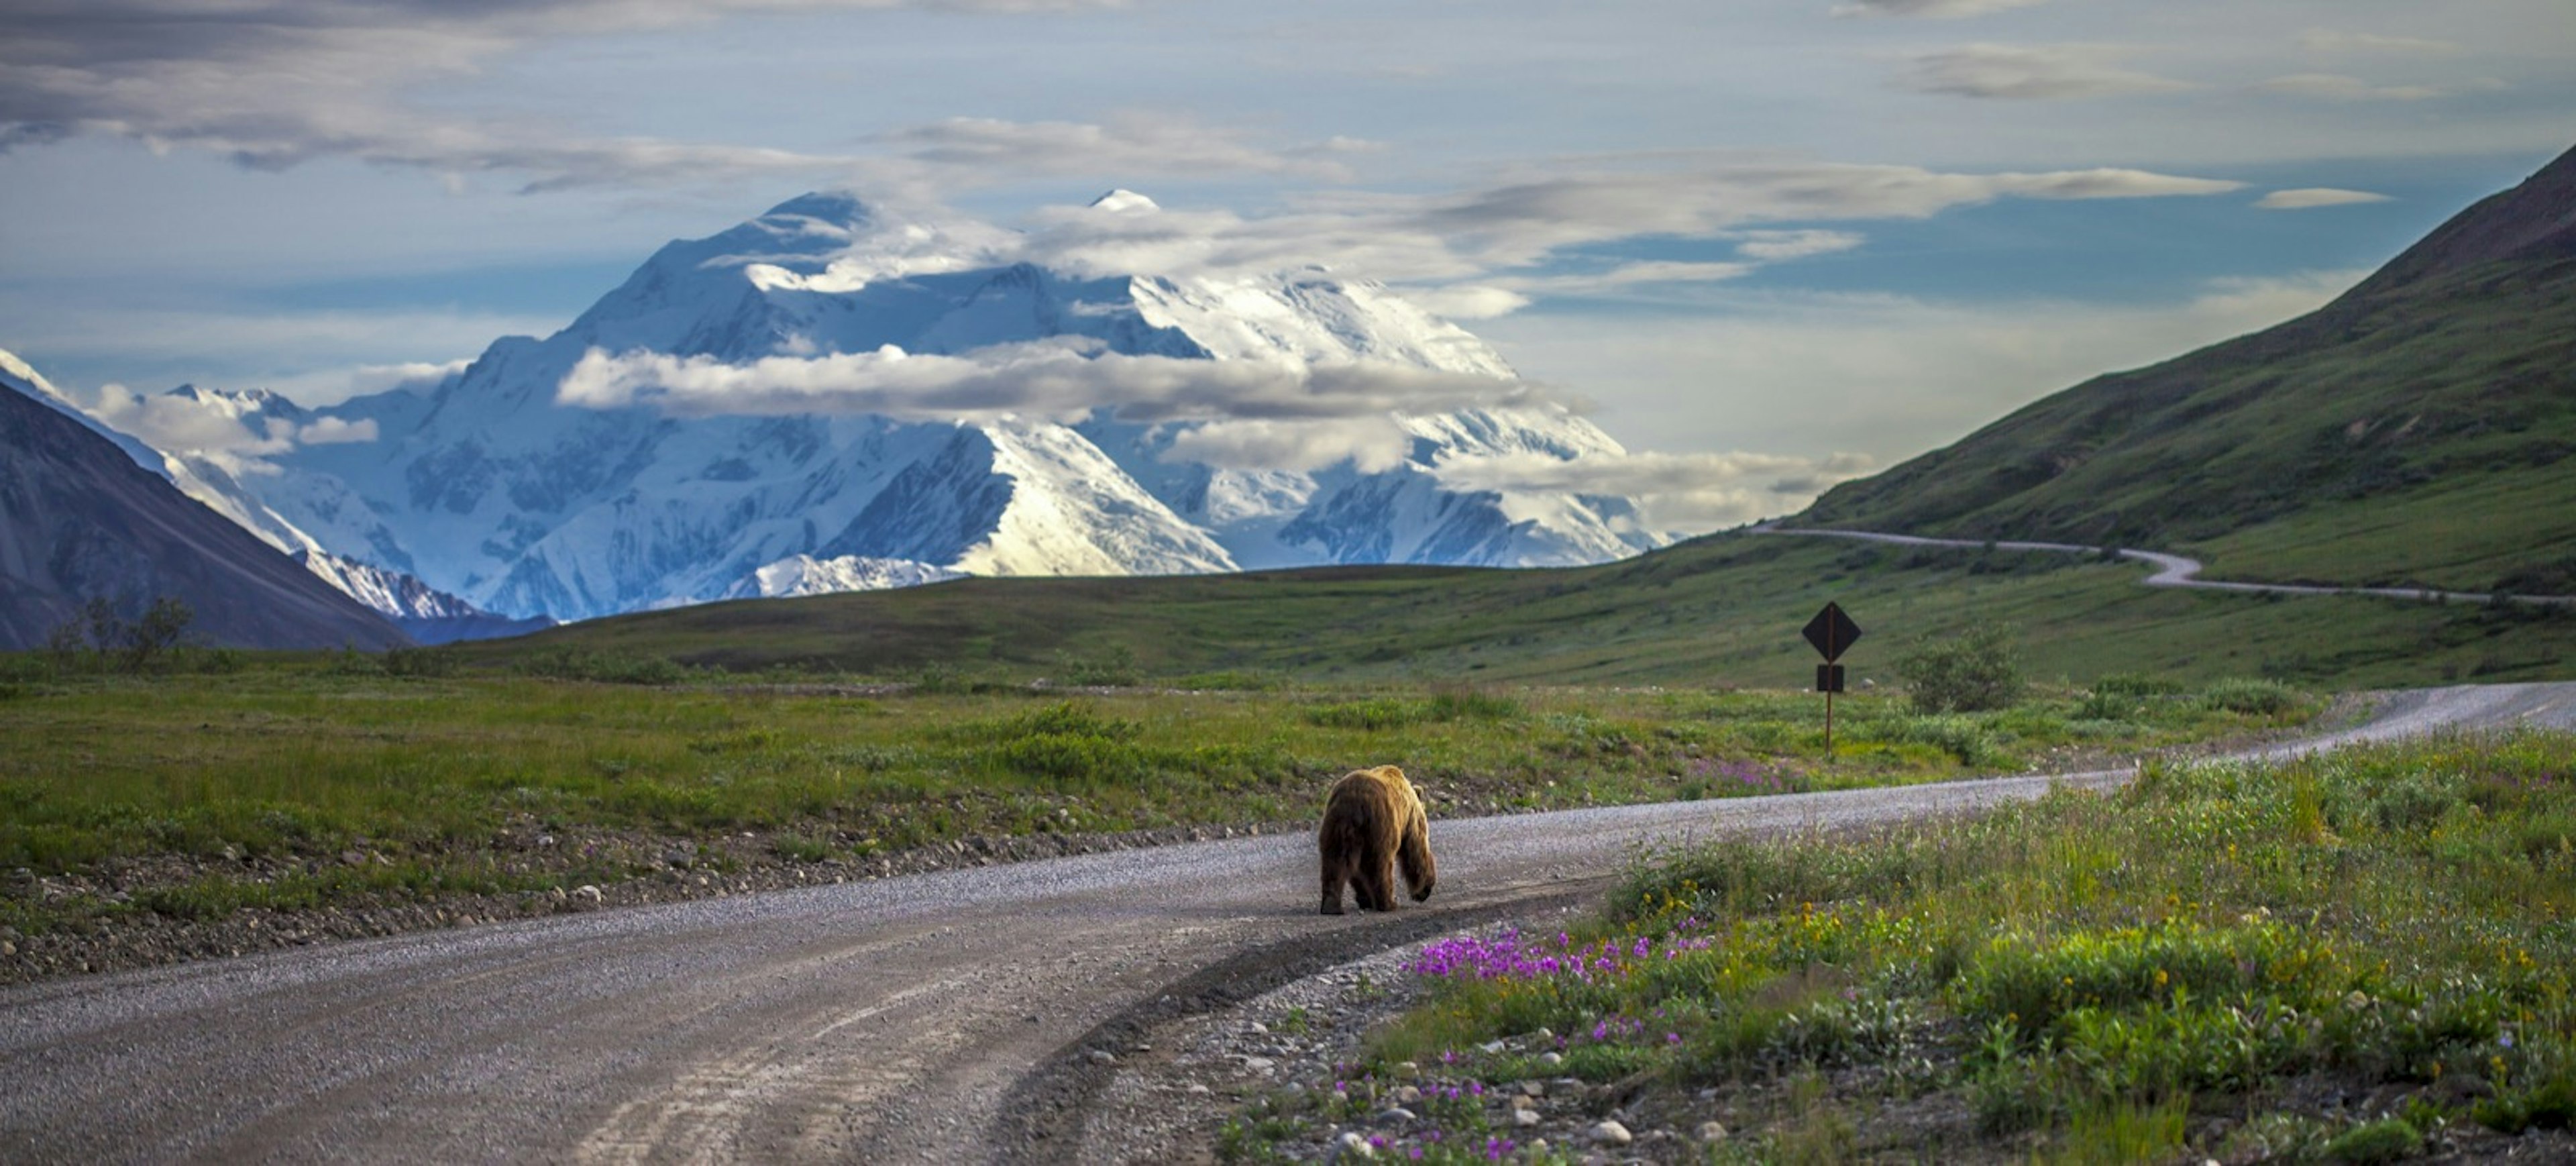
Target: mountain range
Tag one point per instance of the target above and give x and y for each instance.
(79, 520)
(499, 488)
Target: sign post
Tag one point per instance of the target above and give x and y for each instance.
(1832, 633)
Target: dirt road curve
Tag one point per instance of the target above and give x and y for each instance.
(2175, 570)
(945, 1017)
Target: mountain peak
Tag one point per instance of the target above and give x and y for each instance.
(838, 207)
(2534, 220)
(1124, 200)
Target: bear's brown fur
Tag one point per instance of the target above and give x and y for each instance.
(1373, 820)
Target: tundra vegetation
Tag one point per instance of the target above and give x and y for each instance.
(343, 778)
(2351, 958)
(1724, 609)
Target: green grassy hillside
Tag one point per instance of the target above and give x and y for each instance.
(2415, 431)
(1719, 610)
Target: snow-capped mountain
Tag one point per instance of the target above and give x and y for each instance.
(496, 485)
(80, 522)
(426, 614)
(807, 575)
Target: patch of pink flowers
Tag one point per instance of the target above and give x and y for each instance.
(1509, 955)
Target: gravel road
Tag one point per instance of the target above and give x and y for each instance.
(949, 1017)
(2174, 570)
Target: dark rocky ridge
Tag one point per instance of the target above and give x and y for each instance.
(78, 520)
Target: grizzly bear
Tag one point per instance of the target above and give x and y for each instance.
(1373, 820)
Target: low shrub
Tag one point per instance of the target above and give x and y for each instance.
(2253, 698)
(568, 663)
(2386, 1140)
(420, 663)
(2137, 684)
(1960, 737)
(1977, 671)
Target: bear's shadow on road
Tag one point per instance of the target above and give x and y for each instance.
(1041, 1119)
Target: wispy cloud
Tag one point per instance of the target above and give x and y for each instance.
(1945, 9)
(1624, 276)
(2031, 72)
(1775, 246)
(2340, 87)
(1491, 236)
(280, 82)
(1135, 144)
(2311, 197)
(2327, 40)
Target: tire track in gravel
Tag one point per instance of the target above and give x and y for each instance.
(941, 1017)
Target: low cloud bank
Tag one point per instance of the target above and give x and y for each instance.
(1678, 491)
(1060, 379)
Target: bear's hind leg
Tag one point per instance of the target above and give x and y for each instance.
(1372, 883)
(1336, 876)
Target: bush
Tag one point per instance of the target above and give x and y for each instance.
(1974, 672)
(2253, 698)
(2135, 684)
(2386, 1140)
(422, 663)
(609, 668)
(1065, 742)
(102, 638)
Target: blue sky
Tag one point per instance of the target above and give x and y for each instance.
(1794, 227)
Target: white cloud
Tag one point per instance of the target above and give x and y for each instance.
(337, 431)
(1947, 9)
(2310, 197)
(1372, 444)
(183, 424)
(1063, 379)
(2030, 72)
(1468, 301)
(1678, 491)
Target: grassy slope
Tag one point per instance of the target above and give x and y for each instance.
(2217, 959)
(181, 799)
(1720, 610)
(2430, 413)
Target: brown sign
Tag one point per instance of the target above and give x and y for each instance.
(1832, 632)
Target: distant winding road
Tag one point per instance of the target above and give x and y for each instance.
(939, 1017)
(2171, 570)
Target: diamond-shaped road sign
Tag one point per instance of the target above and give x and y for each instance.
(1832, 632)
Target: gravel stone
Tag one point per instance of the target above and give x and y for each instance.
(1611, 1133)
